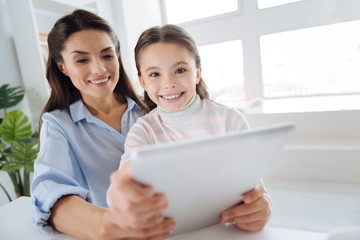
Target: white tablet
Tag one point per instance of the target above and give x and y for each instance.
(203, 177)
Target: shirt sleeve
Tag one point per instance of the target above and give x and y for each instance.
(56, 173)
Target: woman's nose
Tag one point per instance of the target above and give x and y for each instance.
(98, 66)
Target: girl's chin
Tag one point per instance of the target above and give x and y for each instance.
(170, 109)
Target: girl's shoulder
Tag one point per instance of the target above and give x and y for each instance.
(150, 117)
(220, 108)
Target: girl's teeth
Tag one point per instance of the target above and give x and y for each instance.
(171, 97)
(100, 81)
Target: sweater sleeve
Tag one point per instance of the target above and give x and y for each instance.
(236, 121)
(138, 136)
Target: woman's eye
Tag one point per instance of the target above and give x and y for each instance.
(154, 74)
(181, 70)
(108, 56)
(83, 60)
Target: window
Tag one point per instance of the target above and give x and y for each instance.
(288, 49)
(309, 62)
(223, 71)
(188, 10)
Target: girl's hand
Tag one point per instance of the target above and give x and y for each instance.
(134, 211)
(253, 213)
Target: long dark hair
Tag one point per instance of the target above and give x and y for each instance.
(174, 34)
(63, 92)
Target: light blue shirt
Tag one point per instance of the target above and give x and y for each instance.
(78, 153)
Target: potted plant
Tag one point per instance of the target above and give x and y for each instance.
(19, 144)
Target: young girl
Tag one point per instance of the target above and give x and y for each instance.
(169, 70)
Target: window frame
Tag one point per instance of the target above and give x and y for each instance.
(249, 23)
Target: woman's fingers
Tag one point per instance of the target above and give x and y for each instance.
(132, 204)
(110, 230)
(122, 185)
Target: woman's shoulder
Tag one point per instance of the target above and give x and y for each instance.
(58, 119)
(57, 115)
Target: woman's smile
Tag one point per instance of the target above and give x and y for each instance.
(100, 81)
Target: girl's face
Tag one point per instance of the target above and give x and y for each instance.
(168, 74)
(90, 61)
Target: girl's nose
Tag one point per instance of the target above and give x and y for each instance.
(169, 83)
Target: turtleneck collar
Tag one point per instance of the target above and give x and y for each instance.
(184, 114)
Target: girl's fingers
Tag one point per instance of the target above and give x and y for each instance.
(261, 204)
(254, 194)
(254, 217)
(252, 226)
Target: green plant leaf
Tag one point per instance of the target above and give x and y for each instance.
(3, 146)
(10, 96)
(11, 166)
(15, 126)
(23, 154)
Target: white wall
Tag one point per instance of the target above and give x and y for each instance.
(10, 73)
(131, 18)
(324, 147)
(9, 66)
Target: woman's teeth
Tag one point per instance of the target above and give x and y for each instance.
(171, 97)
(100, 81)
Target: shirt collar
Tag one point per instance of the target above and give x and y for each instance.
(193, 106)
(79, 111)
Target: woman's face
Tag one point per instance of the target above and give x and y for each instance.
(90, 61)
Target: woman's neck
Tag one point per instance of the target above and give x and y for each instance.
(109, 110)
(101, 106)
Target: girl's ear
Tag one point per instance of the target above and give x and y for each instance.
(198, 75)
(62, 68)
(141, 81)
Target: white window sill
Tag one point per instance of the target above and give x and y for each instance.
(302, 104)
(313, 205)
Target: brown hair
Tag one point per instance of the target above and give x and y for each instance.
(63, 92)
(174, 34)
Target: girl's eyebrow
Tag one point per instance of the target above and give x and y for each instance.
(87, 53)
(174, 65)
(179, 63)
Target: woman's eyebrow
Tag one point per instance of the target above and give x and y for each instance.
(79, 52)
(86, 53)
(106, 49)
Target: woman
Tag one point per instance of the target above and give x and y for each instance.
(84, 124)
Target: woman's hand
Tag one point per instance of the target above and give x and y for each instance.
(135, 211)
(253, 213)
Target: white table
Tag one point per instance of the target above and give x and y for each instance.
(15, 224)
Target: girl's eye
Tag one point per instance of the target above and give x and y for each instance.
(180, 70)
(83, 60)
(154, 74)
